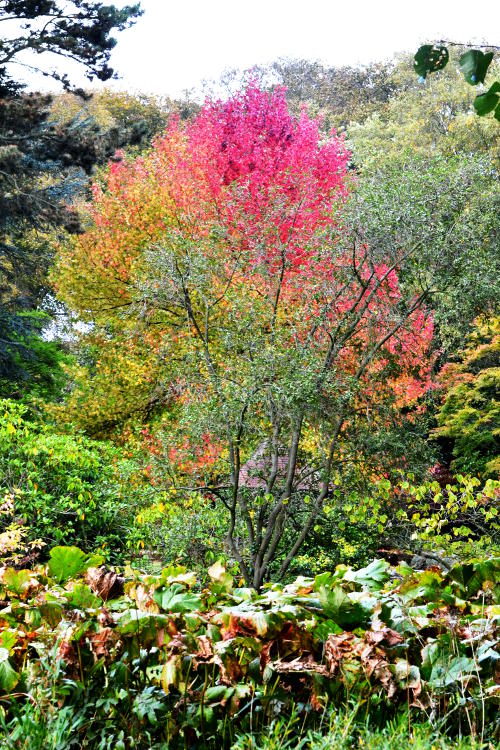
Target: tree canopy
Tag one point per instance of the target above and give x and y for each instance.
(79, 30)
(44, 162)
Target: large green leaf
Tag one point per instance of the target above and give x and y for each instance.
(338, 607)
(8, 675)
(474, 65)
(429, 58)
(489, 101)
(372, 577)
(136, 621)
(425, 586)
(175, 598)
(82, 597)
(472, 576)
(8, 639)
(448, 671)
(66, 562)
(18, 581)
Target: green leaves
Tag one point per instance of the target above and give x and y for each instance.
(489, 101)
(82, 597)
(65, 487)
(373, 576)
(430, 58)
(471, 577)
(341, 609)
(66, 562)
(175, 598)
(446, 671)
(8, 675)
(474, 65)
(350, 633)
(17, 581)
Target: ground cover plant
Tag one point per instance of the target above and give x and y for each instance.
(171, 661)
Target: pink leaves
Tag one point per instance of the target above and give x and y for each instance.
(265, 174)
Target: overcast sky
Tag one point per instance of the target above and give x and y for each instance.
(177, 44)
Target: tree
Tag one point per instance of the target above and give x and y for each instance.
(339, 95)
(79, 30)
(439, 120)
(128, 120)
(43, 162)
(437, 117)
(288, 302)
(469, 418)
(118, 382)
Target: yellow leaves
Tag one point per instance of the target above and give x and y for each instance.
(116, 389)
(311, 441)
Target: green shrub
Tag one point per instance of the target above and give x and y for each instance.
(183, 529)
(61, 489)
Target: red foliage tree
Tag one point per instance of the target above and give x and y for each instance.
(228, 238)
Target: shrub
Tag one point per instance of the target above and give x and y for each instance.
(60, 488)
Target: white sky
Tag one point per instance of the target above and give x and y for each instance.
(177, 44)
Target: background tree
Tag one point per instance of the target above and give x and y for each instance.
(469, 418)
(439, 120)
(43, 163)
(340, 95)
(127, 120)
(437, 117)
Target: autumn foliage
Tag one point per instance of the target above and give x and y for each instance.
(226, 250)
(259, 194)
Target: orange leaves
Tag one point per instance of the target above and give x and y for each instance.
(221, 257)
(246, 166)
